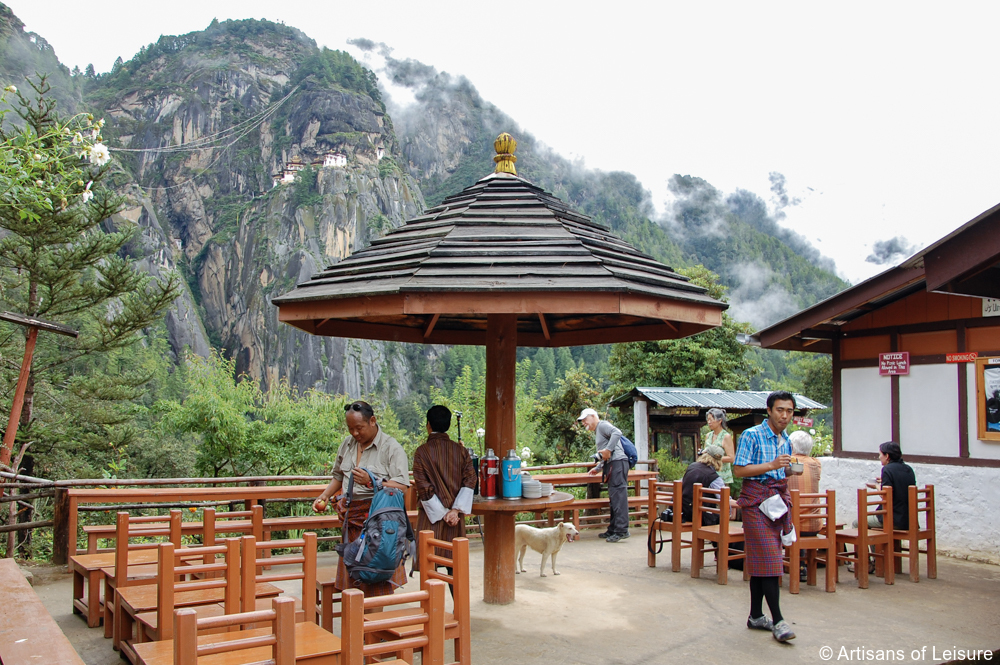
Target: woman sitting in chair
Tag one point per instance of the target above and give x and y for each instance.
(704, 470)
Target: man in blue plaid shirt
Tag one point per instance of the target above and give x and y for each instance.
(762, 460)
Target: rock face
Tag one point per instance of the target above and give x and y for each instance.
(206, 123)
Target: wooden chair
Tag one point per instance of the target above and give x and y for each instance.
(871, 503)
(921, 502)
(668, 495)
(457, 624)
(818, 512)
(279, 640)
(355, 626)
(253, 564)
(123, 574)
(172, 588)
(714, 502)
(155, 604)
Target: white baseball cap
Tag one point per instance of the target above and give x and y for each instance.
(587, 412)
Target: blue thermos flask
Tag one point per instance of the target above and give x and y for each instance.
(510, 472)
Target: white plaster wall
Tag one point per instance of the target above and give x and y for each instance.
(640, 415)
(978, 449)
(866, 412)
(928, 410)
(967, 501)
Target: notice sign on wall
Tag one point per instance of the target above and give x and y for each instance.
(991, 307)
(890, 364)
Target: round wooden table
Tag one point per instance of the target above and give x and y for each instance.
(498, 540)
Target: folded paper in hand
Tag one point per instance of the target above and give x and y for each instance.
(774, 507)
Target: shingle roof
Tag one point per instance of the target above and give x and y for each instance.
(502, 245)
(501, 234)
(710, 398)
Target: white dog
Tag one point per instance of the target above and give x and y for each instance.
(547, 541)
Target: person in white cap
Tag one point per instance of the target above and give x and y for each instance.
(612, 460)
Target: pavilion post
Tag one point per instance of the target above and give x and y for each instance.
(15, 410)
(501, 435)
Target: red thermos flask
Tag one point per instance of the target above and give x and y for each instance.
(489, 475)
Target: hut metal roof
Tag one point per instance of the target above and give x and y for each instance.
(711, 398)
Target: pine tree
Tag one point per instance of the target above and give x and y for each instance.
(62, 258)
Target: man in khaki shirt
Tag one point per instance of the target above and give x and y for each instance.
(367, 447)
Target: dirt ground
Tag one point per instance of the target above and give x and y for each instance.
(609, 607)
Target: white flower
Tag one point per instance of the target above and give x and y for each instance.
(525, 453)
(77, 138)
(86, 196)
(40, 183)
(39, 158)
(480, 432)
(100, 123)
(95, 133)
(11, 88)
(99, 154)
(813, 432)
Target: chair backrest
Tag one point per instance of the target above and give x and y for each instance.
(815, 512)
(128, 528)
(427, 546)
(874, 503)
(281, 616)
(253, 564)
(921, 503)
(713, 502)
(353, 627)
(172, 562)
(665, 494)
(231, 522)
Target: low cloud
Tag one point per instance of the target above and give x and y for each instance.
(758, 296)
(889, 251)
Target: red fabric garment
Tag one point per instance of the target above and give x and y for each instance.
(764, 551)
(354, 521)
(441, 467)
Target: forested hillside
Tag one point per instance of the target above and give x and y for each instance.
(202, 129)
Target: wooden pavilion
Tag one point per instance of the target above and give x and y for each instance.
(502, 263)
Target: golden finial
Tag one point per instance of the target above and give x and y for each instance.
(505, 145)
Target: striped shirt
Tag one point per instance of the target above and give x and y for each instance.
(760, 445)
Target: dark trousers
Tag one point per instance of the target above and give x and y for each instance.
(617, 479)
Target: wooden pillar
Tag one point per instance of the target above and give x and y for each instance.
(15, 410)
(60, 528)
(501, 362)
(498, 558)
(501, 435)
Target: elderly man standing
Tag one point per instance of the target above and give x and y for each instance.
(761, 460)
(614, 463)
(367, 447)
(445, 480)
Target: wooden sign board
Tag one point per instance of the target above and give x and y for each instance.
(802, 422)
(891, 364)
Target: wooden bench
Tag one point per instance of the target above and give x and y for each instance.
(28, 633)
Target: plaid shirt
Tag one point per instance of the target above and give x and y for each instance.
(760, 445)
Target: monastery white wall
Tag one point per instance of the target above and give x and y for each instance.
(967, 501)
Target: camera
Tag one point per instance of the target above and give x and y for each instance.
(597, 458)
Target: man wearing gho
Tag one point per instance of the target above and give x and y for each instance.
(761, 460)
(445, 480)
(367, 447)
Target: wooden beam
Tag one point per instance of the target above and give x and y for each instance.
(545, 326)
(810, 342)
(18, 403)
(430, 326)
(670, 325)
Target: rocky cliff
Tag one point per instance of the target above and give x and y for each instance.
(204, 124)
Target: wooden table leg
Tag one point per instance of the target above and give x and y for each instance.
(498, 558)
(95, 612)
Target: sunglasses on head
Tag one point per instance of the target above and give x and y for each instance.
(353, 407)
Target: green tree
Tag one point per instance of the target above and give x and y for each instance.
(555, 416)
(62, 258)
(812, 375)
(711, 359)
(245, 431)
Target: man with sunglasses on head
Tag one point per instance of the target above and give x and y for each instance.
(367, 447)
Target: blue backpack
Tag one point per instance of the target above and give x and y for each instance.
(386, 538)
(629, 449)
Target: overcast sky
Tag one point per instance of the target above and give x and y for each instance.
(882, 116)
